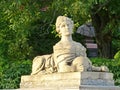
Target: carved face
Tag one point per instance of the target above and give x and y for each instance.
(61, 23)
(66, 28)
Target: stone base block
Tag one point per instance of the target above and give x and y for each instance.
(69, 81)
(91, 87)
(82, 87)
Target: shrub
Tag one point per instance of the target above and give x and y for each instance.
(11, 72)
(117, 56)
(112, 64)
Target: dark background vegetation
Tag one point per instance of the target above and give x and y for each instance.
(27, 29)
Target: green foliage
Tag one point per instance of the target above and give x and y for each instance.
(14, 29)
(77, 10)
(25, 24)
(116, 40)
(11, 72)
(24, 28)
(117, 56)
(112, 64)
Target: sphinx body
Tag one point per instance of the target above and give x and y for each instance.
(71, 57)
(68, 55)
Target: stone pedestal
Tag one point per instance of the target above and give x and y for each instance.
(70, 81)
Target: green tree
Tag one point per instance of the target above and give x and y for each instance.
(106, 18)
(104, 15)
(15, 19)
(26, 24)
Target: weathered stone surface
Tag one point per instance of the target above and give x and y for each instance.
(91, 87)
(82, 87)
(74, 80)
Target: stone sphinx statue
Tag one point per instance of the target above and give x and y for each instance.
(68, 55)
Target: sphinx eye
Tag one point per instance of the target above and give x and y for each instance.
(63, 26)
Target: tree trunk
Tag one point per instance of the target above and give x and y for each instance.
(104, 47)
(100, 19)
(105, 50)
